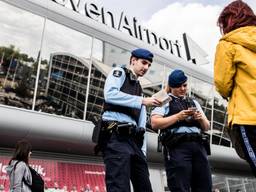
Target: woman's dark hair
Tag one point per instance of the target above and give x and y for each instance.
(235, 15)
(22, 149)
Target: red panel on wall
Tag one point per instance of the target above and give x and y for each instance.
(71, 175)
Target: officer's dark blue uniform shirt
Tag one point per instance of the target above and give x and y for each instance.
(164, 110)
(113, 95)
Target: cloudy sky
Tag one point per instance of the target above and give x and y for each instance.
(171, 18)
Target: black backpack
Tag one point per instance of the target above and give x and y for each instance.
(37, 181)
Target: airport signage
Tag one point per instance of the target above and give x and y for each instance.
(122, 23)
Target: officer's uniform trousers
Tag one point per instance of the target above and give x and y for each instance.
(124, 161)
(187, 168)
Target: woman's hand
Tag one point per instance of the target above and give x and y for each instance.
(197, 115)
(184, 114)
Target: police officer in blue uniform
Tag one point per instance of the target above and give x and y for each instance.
(124, 118)
(182, 123)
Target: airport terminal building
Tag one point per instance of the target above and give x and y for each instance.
(54, 59)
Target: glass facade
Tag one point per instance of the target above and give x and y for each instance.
(20, 42)
(64, 70)
(223, 183)
(105, 57)
(51, 68)
(66, 90)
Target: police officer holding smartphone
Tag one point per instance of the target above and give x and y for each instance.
(182, 123)
(124, 118)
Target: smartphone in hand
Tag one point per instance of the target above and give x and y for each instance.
(194, 109)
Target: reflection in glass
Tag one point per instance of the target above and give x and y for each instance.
(233, 184)
(220, 136)
(167, 72)
(64, 71)
(105, 58)
(148, 92)
(113, 56)
(20, 38)
(97, 50)
(95, 97)
(154, 75)
(66, 87)
(202, 92)
(152, 83)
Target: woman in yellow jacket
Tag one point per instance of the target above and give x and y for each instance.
(235, 74)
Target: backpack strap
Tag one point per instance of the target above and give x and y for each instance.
(23, 179)
(25, 182)
(15, 165)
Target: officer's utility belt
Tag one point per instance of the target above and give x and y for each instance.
(191, 137)
(171, 140)
(103, 131)
(123, 129)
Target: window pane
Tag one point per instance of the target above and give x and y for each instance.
(20, 38)
(154, 75)
(203, 93)
(64, 71)
(148, 92)
(105, 57)
(220, 136)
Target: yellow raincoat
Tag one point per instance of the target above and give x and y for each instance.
(235, 74)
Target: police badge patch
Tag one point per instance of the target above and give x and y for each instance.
(117, 73)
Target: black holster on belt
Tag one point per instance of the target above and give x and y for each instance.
(159, 144)
(139, 137)
(206, 143)
(167, 139)
(131, 131)
(100, 135)
(171, 140)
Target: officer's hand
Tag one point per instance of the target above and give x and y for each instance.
(197, 115)
(151, 101)
(184, 114)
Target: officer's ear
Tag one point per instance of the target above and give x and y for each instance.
(132, 60)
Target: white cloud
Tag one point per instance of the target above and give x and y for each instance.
(195, 19)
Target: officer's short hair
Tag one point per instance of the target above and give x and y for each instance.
(142, 54)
